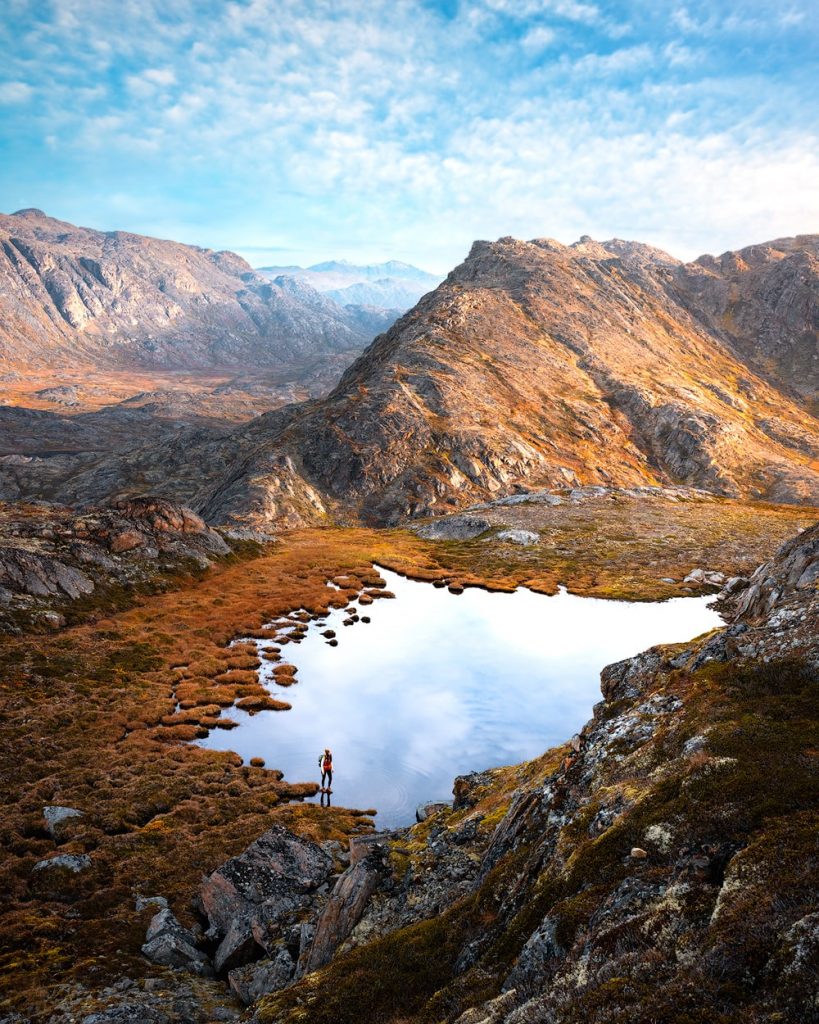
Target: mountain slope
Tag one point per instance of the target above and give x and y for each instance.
(764, 300)
(533, 364)
(542, 364)
(113, 299)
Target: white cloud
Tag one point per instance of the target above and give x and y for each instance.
(538, 38)
(313, 124)
(15, 92)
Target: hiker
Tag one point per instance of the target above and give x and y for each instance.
(326, 765)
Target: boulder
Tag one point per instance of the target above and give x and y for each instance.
(253, 981)
(238, 947)
(424, 811)
(454, 528)
(262, 891)
(168, 943)
(75, 863)
(56, 816)
(525, 538)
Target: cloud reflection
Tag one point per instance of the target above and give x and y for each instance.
(437, 685)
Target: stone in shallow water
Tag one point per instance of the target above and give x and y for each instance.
(424, 811)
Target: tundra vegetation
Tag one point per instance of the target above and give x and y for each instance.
(96, 715)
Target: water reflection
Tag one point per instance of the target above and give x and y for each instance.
(438, 685)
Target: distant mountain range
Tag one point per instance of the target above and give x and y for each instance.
(534, 364)
(390, 285)
(112, 299)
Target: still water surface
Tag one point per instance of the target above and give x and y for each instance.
(439, 684)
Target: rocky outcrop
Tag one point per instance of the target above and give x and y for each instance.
(71, 295)
(255, 902)
(52, 558)
(764, 300)
(782, 590)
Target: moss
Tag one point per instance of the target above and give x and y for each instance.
(389, 979)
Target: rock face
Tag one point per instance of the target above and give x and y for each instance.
(783, 590)
(51, 557)
(255, 901)
(764, 300)
(345, 907)
(534, 365)
(681, 818)
(113, 299)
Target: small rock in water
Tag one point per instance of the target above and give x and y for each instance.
(329, 633)
(332, 643)
(424, 811)
(366, 618)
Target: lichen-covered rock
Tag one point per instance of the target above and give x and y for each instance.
(258, 979)
(253, 898)
(71, 862)
(453, 528)
(168, 943)
(56, 817)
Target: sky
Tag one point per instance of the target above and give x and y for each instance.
(294, 131)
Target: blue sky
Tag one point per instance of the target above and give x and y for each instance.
(299, 131)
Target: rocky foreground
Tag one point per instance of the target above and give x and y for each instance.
(663, 865)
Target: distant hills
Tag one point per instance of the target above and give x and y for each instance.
(113, 299)
(391, 285)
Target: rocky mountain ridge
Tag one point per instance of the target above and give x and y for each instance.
(51, 560)
(533, 365)
(113, 299)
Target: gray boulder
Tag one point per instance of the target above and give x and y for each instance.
(253, 981)
(526, 538)
(55, 817)
(454, 528)
(168, 943)
(73, 862)
(255, 897)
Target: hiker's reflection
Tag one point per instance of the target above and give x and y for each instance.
(325, 800)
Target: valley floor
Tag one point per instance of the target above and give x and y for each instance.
(90, 720)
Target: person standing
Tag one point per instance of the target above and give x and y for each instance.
(326, 765)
